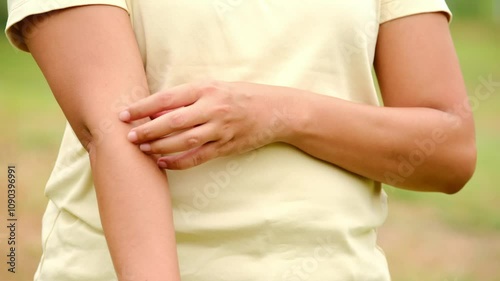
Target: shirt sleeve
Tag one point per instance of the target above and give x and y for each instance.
(393, 9)
(20, 9)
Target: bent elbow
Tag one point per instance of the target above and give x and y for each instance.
(464, 167)
(90, 138)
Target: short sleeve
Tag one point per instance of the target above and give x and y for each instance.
(393, 9)
(20, 9)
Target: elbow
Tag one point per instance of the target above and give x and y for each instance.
(461, 156)
(462, 170)
(85, 135)
(90, 138)
(87, 140)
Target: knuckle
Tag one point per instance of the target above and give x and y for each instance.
(177, 120)
(144, 133)
(165, 99)
(209, 87)
(226, 135)
(222, 109)
(193, 141)
(197, 159)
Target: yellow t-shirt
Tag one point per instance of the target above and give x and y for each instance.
(274, 214)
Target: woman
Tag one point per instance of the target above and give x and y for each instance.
(297, 195)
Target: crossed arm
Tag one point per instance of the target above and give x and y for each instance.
(91, 61)
(423, 139)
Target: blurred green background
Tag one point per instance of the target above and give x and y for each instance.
(428, 237)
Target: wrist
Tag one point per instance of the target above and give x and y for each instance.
(290, 115)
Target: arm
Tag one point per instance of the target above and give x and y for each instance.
(91, 60)
(419, 141)
(424, 138)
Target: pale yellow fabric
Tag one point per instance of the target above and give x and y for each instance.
(268, 215)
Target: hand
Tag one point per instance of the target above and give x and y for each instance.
(201, 121)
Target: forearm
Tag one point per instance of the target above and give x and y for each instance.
(135, 209)
(409, 147)
(417, 142)
(424, 138)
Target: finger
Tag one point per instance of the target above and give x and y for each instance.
(187, 140)
(173, 121)
(191, 158)
(172, 98)
(156, 115)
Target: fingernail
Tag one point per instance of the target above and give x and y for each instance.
(162, 164)
(145, 147)
(132, 136)
(124, 115)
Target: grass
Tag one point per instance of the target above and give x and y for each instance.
(32, 125)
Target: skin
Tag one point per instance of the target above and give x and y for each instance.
(205, 120)
(215, 118)
(138, 224)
